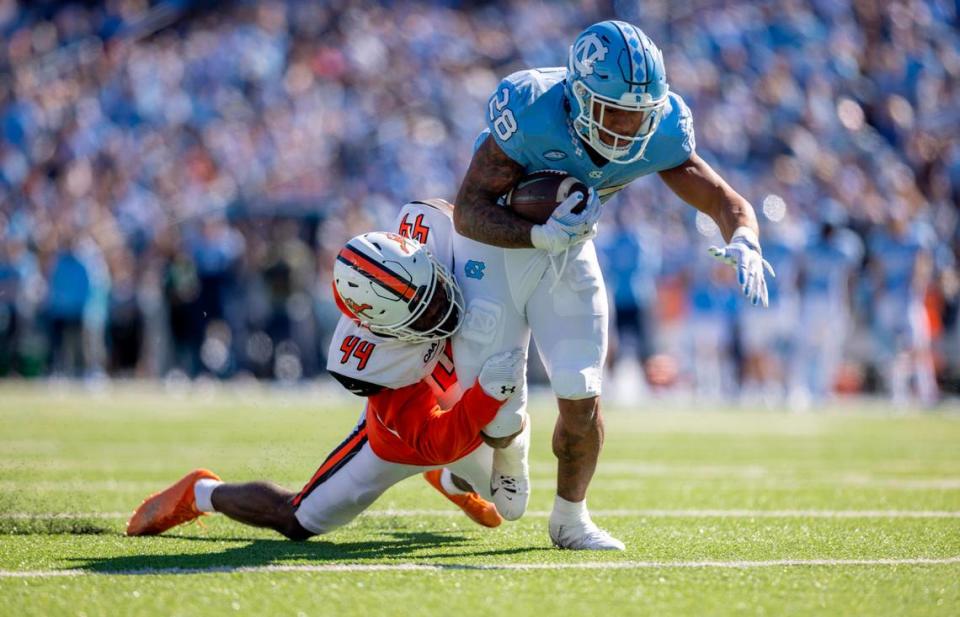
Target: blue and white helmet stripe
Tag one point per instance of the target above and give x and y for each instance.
(642, 74)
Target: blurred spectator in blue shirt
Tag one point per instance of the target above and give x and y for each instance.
(630, 255)
(831, 259)
(68, 294)
(902, 269)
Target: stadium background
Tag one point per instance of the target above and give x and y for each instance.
(175, 177)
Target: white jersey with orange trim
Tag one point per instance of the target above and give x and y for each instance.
(363, 361)
(405, 428)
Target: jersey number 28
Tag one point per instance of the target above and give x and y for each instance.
(504, 123)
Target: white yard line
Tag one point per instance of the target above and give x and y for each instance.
(406, 567)
(709, 513)
(640, 513)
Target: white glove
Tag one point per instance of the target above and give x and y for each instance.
(503, 374)
(565, 228)
(743, 253)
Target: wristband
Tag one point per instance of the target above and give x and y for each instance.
(749, 236)
(538, 238)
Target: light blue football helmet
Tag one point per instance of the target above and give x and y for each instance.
(613, 64)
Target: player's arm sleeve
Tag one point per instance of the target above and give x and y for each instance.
(504, 114)
(429, 222)
(497, 165)
(437, 434)
(679, 133)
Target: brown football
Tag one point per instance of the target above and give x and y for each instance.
(537, 195)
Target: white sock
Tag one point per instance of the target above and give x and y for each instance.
(569, 511)
(513, 460)
(203, 493)
(446, 481)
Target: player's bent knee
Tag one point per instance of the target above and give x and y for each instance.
(290, 525)
(507, 424)
(576, 385)
(293, 530)
(497, 443)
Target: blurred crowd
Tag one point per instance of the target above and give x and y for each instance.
(175, 180)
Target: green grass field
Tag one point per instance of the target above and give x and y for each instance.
(841, 512)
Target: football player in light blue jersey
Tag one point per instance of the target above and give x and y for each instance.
(902, 267)
(608, 118)
(829, 262)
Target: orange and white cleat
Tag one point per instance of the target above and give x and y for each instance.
(170, 507)
(480, 511)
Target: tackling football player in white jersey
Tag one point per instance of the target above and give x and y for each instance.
(400, 307)
(607, 118)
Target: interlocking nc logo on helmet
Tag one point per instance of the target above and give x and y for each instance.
(588, 51)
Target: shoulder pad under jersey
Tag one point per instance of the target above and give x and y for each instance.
(357, 354)
(675, 139)
(509, 108)
(429, 222)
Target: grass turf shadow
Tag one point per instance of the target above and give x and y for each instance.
(265, 552)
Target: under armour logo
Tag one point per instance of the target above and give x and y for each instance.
(508, 389)
(588, 50)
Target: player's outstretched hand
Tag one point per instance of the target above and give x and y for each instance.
(743, 253)
(503, 374)
(565, 227)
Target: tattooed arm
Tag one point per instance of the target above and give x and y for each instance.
(477, 215)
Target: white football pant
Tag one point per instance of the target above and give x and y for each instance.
(510, 293)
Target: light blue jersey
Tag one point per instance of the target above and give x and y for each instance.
(527, 116)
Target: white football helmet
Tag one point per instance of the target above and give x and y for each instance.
(394, 287)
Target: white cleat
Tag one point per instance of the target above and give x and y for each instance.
(510, 494)
(583, 536)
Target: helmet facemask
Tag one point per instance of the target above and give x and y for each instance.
(613, 146)
(394, 287)
(437, 311)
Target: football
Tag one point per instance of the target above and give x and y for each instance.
(537, 195)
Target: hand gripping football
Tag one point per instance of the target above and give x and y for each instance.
(537, 195)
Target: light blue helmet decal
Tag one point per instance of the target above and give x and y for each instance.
(614, 65)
